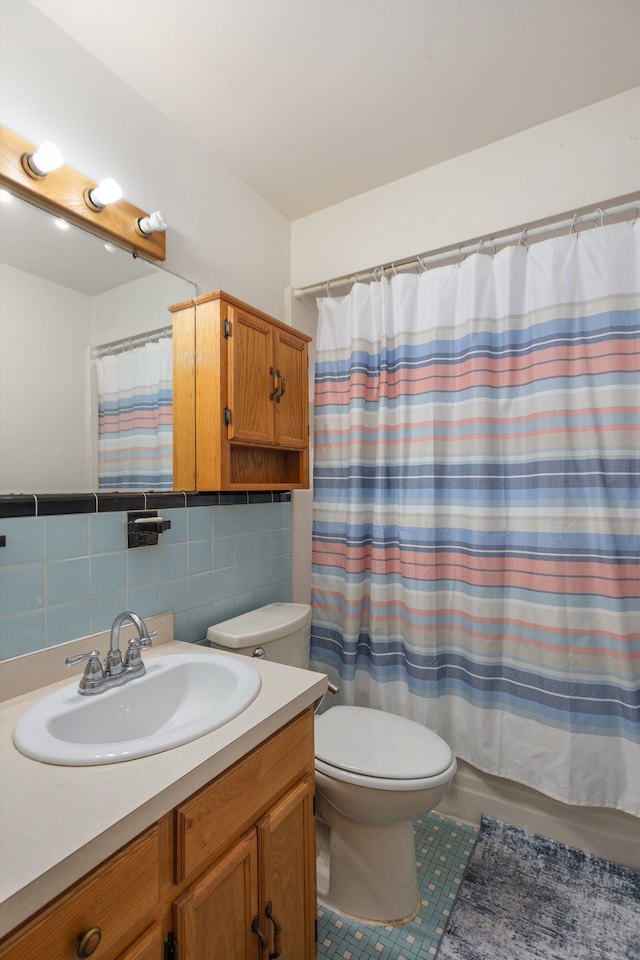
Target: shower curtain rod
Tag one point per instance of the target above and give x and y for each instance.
(534, 232)
(129, 343)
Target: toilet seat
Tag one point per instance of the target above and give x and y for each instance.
(375, 748)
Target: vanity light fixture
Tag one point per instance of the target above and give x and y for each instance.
(43, 161)
(154, 223)
(72, 196)
(107, 191)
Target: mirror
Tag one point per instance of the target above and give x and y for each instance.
(63, 293)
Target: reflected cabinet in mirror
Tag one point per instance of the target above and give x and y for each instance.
(64, 295)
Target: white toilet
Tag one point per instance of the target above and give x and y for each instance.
(375, 773)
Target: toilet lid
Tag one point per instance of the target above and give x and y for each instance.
(379, 744)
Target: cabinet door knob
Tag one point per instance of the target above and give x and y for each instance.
(255, 928)
(276, 378)
(281, 394)
(277, 931)
(88, 942)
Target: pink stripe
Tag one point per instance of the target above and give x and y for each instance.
(510, 372)
(591, 577)
(331, 610)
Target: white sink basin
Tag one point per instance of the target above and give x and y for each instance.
(180, 698)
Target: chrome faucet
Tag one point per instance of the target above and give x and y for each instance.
(116, 671)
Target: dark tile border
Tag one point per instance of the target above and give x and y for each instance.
(17, 506)
(112, 502)
(48, 505)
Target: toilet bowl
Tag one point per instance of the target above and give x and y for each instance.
(375, 773)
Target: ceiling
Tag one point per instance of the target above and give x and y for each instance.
(312, 102)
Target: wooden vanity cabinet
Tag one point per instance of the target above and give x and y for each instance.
(240, 398)
(259, 897)
(230, 873)
(254, 831)
(149, 946)
(100, 914)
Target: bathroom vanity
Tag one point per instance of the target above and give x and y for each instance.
(204, 850)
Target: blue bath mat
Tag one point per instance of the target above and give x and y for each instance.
(524, 897)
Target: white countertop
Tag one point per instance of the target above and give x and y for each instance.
(57, 823)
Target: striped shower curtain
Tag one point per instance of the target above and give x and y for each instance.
(135, 433)
(476, 533)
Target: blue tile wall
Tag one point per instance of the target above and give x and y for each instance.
(67, 576)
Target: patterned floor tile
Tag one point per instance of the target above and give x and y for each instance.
(443, 848)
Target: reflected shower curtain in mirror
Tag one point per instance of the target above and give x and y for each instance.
(476, 532)
(135, 450)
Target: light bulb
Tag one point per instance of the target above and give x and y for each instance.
(43, 161)
(154, 223)
(107, 191)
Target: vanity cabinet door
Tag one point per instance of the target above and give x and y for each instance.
(214, 916)
(287, 874)
(258, 899)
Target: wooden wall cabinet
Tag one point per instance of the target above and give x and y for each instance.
(230, 873)
(240, 398)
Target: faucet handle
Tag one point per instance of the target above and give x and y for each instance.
(92, 656)
(93, 676)
(145, 642)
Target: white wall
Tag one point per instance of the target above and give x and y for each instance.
(221, 234)
(578, 160)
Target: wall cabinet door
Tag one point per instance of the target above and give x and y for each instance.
(268, 382)
(291, 403)
(250, 364)
(214, 916)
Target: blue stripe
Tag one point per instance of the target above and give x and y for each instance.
(443, 673)
(560, 332)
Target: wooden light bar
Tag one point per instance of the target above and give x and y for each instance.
(62, 191)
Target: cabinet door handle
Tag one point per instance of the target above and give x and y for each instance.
(276, 378)
(255, 928)
(88, 942)
(277, 932)
(281, 394)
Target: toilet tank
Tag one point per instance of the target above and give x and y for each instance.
(282, 630)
